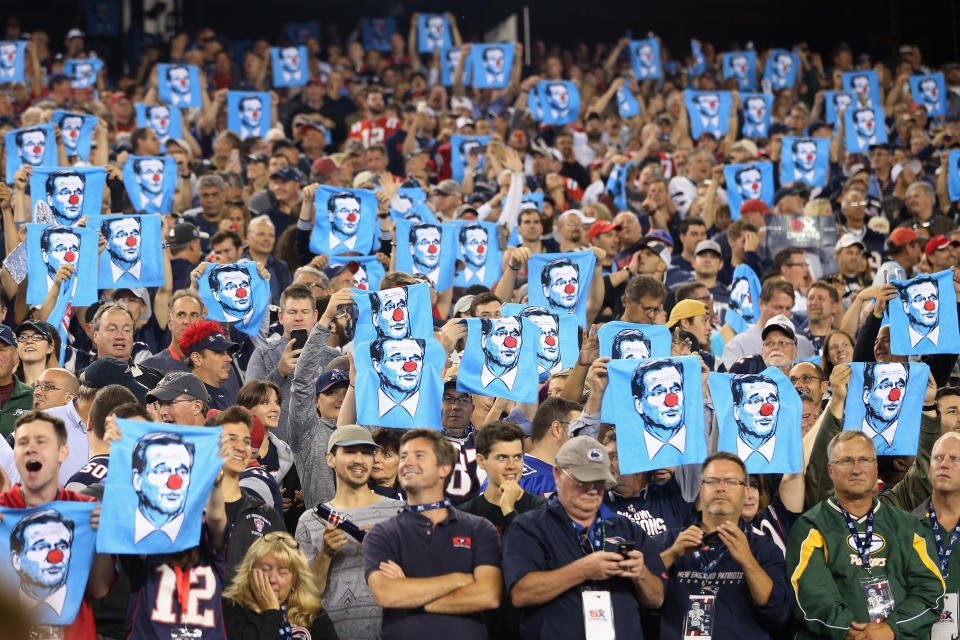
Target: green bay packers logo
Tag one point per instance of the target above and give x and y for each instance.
(877, 543)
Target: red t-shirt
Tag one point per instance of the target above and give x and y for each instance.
(83, 627)
(371, 132)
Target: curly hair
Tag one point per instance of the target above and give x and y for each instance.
(303, 603)
(197, 332)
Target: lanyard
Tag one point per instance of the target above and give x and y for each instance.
(590, 535)
(944, 553)
(862, 544)
(710, 566)
(420, 508)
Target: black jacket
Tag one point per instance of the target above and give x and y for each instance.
(244, 624)
(250, 519)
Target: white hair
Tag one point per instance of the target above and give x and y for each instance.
(261, 218)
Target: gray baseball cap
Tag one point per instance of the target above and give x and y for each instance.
(350, 435)
(586, 460)
(179, 383)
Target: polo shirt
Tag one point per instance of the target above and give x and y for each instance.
(459, 543)
(545, 539)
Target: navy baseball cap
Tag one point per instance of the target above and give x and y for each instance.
(214, 342)
(107, 371)
(42, 328)
(288, 174)
(334, 270)
(330, 379)
(6, 335)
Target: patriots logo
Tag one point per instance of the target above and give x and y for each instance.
(461, 542)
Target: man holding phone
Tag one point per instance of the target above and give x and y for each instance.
(277, 360)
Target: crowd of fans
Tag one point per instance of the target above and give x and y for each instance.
(513, 520)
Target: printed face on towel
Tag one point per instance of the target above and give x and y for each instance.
(561, 283)
(548, 346)
(493, 61)
(756, 110)
(741, 300)
(866, 122)
(344, 210)
(558, 98)
(123, 240)
(749, 180)
(501, 341)
(756, 408)
(470, 147)
(149, 173)
(804, 155)
(290, 60)
(71, 127)
(782, 66)
(436, 30)
(708, 104)
(841, 101)
(931, 92)
(646, 59)
(657, 387)
(884, 384)
(41, 546)
(162, 466)
(59, 246)
(390, 313)
(425, 246)
(31, 145)
(861, 85)
(630, 344)
(65, 195)
(251, 112)
(474, 240)
(399, 365)
(740, 69)
(921, 303)
(230, 286)
(82, 75)
(178, 78)
(8, 60)
(159, 119)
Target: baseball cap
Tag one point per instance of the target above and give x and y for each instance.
(779, 323)
(40, 327)
(417, 150)
(586, 460)
(747, 145)
(107, 371)
(686, 309)
(662, 251)
(661, 235)
(600, 226)
(464, 121)
(794, 189)
(583, 219)
(902, 235)
(349, 435)
(184, 146)
(215, 342)
(333, 270)
(754, 206)
(74, 33)
(448, 188)
(458, 102)
(324, 166)
(707, 245)
(185, 232)
(179, 383)
(288, 174)
(848, 240)
(463, 305)
(464, 209)
(258, 157)
(330, 379)
(363, 178)
(138, 292)
(7, 336)
(938, 242)
(450, 380)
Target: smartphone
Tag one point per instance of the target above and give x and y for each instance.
(300, 336)
(624, 547)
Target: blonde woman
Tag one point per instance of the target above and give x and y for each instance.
(274, 596)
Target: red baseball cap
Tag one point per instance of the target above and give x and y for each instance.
(324, 166)
(754, 206)
(902, 235)
(938, 242)
(117, 97)
(598, 227)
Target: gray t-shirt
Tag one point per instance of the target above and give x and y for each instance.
(347, 598)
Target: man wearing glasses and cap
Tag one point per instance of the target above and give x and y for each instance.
(604, 563)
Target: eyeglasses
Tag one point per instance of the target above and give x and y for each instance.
(283, 537)
(169, 403)
(652, 310)
(46, 387)
(463, 401)
(729, 483)
(782, 344)
(33, 337)
(849, 463)
(805, 379)
(599, 485)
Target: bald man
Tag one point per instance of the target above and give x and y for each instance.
(54, 388)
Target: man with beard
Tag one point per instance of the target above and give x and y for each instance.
(501, 341)
(548, 346)
(336, 557)
(778, 348)
(823, 303)
(570, 226)
(210, 357)
(375, 127)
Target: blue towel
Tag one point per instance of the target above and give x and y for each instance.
(699, 63)
(709, 111)
(427, 249)
(449, 58)
(500, 359)
(150, 182)
(756, 108)
(248, 113)
(558, 345)
(345, 220)
(741, 66)
(11, 60)
(630, 341)
(863, 126)
(805, 160)
(134, 254)
(491, 65)
(158, 481)
(743, 309)
(300, 32)
(627, 104)
(758, 417)
(369, 271)
(77, 130)
(657, 407)
(645, 59)
(863, 83)
(930, 90)
(235, 293)
(554, 102)
(781, 69)
(34, 146)
(69, 192)
(535, 198)
(398, 382)
(48, 551)
(953, 175)
(377, 33)
(561, 282)
(409, 203)
(289, 66)
(834, 102)
(617, 184)
(48, 247)
(750, 181)
(923, 319)
(399, 312)
(179, 85)
(478, 247)
(82, 72)
(461, 147)
(885, 401)
(163, 119)
(433, 32)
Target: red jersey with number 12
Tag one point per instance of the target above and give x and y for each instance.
(371, 132)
